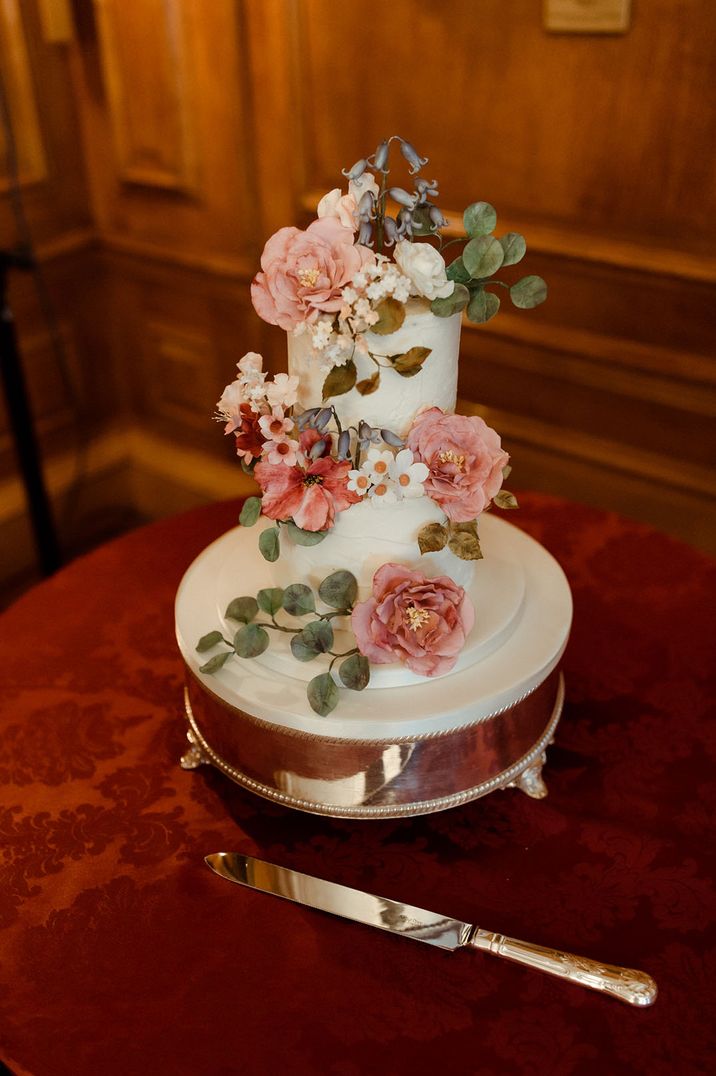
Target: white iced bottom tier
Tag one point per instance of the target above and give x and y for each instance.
(524, 610)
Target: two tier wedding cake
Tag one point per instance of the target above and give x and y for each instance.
(368, 605)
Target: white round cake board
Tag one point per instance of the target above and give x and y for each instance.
(523, 609)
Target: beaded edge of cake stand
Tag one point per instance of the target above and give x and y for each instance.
(524, 774)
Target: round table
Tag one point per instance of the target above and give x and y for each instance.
(121, 953)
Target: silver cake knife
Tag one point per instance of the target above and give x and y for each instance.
(633, 987)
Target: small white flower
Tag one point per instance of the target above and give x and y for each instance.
(378, 464)
(401, 291)
(282, 451)
(359, 281)
(407, 475)
(358, 482)
(275, 427)
(321, 333)
(349, 295)
(383, 493)
(362, 308)
(376, 291)
(282, 391)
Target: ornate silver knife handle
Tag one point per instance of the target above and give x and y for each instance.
(633, 987)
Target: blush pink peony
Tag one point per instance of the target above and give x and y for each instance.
(465, 459)
(303, 272)
(310, 496)
(409, 618)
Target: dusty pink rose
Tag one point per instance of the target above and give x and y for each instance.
(465, 459)
(303, 272)
(311, 495)
(421, 622)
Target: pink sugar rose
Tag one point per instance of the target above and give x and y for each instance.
(465, 459)
(311, 495)
(410, 618)
(303, 272)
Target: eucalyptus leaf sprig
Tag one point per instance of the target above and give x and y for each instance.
(338, 591)
(474, 270)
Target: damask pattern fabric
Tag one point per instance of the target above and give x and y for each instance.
(122, 954)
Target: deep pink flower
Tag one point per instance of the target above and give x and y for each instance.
(311, 495)
(465, 458)
(303, 272)
(249, 437)
(410, 618)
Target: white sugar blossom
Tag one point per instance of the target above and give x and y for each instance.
(384, 493)
(358, 482)
(321, 333)
(250, 364)
(425, 267)
(282, 391)
(378, 464)
(408, 475)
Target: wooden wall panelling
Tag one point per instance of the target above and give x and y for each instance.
(605, 134)
(163, 84)
(150, 103)
(21, 100)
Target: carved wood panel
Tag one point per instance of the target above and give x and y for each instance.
(147, 67)
(21, 100)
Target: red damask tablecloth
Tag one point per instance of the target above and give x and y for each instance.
(121, 953)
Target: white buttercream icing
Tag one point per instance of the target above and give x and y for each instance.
(363, 538)
(394, 403)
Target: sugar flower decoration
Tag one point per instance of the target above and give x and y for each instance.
(412, 619)
(465, 460)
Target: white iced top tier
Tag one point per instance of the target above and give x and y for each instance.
(363, 538)
(394, 404)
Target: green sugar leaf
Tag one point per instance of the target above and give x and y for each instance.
(298, 599)
(505, 499)
(479, 219)
(207, 641)
(341, 379)
(528, 292)
(269, 544)
(250, 641)
(301, 537)
(355, 672)
(270, 600)
(451, 304)
(432, 537)
(243, 609)
(391, 315)
(483, 256)
(463, 541)
(316, 638)
(250, 512)
(456, 271)
(369, 384)
(215, 663)
(514, 246)
(323, 695)
(482, 306)
(411, 362)
(339, 590)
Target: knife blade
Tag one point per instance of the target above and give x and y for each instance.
(625, 984)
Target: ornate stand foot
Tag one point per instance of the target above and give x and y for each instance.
(194, 757)
(530, 780)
